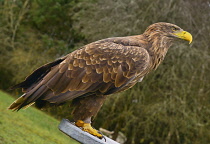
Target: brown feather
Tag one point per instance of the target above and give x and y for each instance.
(107, 77)
(120, 79)
(86, 78)
(53, 81)
(105, 87)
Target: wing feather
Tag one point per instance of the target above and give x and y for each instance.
(102, 67)
(101, 63)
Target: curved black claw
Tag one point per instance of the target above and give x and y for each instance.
(103, 137)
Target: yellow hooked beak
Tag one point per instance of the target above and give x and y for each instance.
(184, 35)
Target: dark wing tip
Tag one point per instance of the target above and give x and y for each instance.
(16, 86)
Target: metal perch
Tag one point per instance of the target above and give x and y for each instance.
(81, 136)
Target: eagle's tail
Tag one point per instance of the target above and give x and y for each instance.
(42, 96)
(32, 86)
(17, 104)
(29, 98)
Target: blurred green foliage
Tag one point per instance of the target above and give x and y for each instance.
(170, 106)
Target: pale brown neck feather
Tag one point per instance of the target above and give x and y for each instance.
(159, 45)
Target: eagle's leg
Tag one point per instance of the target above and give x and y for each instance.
(85, 108)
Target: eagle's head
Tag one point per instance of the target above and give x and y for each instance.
(169, 30)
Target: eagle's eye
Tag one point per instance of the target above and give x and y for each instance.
(174, 29)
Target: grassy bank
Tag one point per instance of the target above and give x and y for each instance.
(29, 126)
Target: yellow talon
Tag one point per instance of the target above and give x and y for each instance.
(87, 127)
(79, 123)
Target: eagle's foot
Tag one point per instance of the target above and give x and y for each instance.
(88, 128)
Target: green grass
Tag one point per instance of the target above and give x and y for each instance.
(30, 126)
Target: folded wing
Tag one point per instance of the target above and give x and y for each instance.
(102, 67)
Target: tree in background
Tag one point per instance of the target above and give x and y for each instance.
(170, 106)
(33, 33)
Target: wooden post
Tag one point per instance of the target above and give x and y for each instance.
(81, 136)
